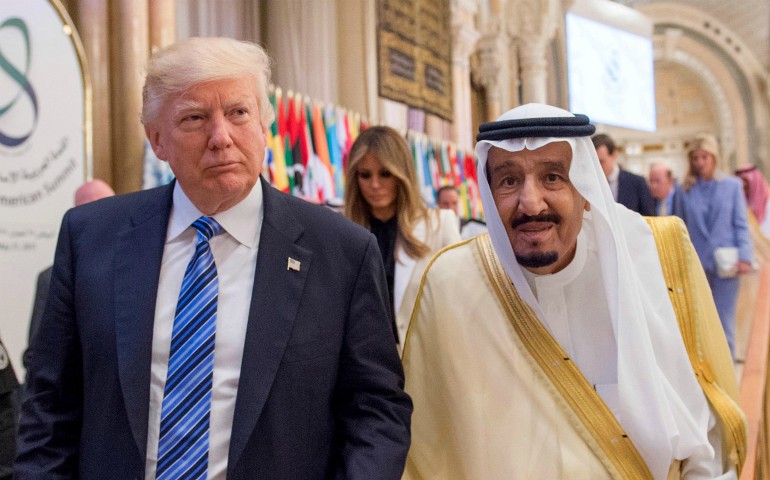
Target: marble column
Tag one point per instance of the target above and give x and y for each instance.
(486, 71)
(464, 42)
(93, 28)
(129, 48)
(162, 23)
(534, 73)
(532, 28)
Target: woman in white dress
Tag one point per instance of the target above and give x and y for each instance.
(383, 195)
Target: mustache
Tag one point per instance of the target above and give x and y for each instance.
(543, 217)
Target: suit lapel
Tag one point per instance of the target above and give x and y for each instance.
(137, 269)
(274, 303)
(677, 203)
(623, 190)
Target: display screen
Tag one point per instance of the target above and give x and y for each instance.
(610, 74)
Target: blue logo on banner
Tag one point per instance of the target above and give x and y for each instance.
(21, 79)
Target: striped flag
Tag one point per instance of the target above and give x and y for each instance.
(274, 141)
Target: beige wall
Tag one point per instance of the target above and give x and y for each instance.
(117, 37)
(511, 59)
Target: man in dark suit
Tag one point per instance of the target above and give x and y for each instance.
(90, 191)
(214, 327)
(627, 188)
(38, 307)
(668, 194)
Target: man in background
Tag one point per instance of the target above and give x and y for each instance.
(627, 188)
(448, 198)
(668, 194)
(88, 192)
(10, 390)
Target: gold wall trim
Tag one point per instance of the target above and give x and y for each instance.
(72, 33)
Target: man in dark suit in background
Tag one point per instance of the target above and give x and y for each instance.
(90, 191)
(627, 188)
(214, 327)
(668, 194)
(9, 395)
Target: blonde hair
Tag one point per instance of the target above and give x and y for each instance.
(708, 143)
(391, 149)
(182, 65)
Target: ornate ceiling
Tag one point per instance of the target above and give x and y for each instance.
(747, 19)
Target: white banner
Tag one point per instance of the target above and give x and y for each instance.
(43, 150)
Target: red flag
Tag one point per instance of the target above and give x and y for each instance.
(281, 114)
(304, 135)
(319, 135)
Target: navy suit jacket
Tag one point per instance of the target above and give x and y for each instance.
(634, 193)
(38, 307)
(321, 387)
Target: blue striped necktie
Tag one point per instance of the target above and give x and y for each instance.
(183, 445)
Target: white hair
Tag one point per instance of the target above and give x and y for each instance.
(179, 67)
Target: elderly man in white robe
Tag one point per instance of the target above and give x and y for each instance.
(576, 340)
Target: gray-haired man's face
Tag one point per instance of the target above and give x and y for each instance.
(212, 138)
(540, 208)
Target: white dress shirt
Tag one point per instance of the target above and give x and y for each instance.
(235, 255)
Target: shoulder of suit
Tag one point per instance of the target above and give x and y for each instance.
(45, 275)
(122, 206)
(635, 177)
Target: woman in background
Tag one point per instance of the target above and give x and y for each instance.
(382, 194)
(716, 217)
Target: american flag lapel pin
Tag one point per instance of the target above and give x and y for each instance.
(293, 265)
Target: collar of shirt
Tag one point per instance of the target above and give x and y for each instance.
(238, 220)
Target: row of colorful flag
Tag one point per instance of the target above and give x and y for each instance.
(441, 163)
(309, 145)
